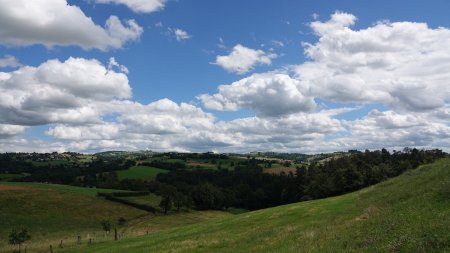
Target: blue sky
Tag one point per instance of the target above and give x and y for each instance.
(236, 77)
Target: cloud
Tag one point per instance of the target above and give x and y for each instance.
(88, 105)
(243, 59)
(315, 16)
(181, 35)
(391, 129)
(103, 131)
(56, 23)
(9, 61)
(402, 65)
(59, 92)
(268, 94)
(338, 22)
(277, 43)
(165, 125)
(165, 117)
(7, 131)
(139, 6)
(114, 64)
(160, 125)
(221, 44)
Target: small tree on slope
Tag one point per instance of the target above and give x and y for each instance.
(18, 237)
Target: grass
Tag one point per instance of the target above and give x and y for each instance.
(409, 213)
(151, 199)
(5, 177)
(140, 172)
(52, 213)
(279, 170)
(85, 158)
(55, 212)
(209, 164)
(60, 188)
(156, 223)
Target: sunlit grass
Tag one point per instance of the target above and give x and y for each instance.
(409, 213)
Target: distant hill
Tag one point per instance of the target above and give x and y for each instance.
(409, 213)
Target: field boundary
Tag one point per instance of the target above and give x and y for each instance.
(116, 197)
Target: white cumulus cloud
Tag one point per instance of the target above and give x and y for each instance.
(139, 6)
(401, 68)
(103, 131)
(7, 130)
(391, 129)
(268, 94)
(402, 65)
(243, 59)
(181, 34)
(59, 92)
(56, 23)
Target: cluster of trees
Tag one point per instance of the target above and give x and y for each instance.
(99, 172)
(172, 198)
(360, 169)
(248, 187)
(245, 187)
(165, 165)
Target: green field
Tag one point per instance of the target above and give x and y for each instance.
(150, 199)
(155, 223)
(55, 212)
(52, 213)
(410, 213)
(5, 177)
(60, 188)
(139, 172)
(214, 163)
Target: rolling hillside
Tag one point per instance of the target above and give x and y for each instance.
(52, 213)
(55, 212)
(410, 213)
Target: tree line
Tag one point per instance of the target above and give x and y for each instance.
(245, 186)
(249, 188)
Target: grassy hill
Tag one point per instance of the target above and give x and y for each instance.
(139, 172)
(55, 212)
(410, 213)
(52, 213)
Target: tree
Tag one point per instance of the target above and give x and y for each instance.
(179, 200)
(121, 221)
(106, 225)
(18, 237)
(229, 198)
(166, 203)
(167, 193)
(203, 196)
